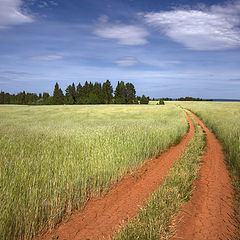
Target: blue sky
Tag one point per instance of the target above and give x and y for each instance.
(166, 48)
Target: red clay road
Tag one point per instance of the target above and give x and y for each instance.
(210, 212)
(101, 218)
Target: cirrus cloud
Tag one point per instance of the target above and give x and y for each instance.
(213, 28)
(124, 34)
(47, 57)
(126, 61)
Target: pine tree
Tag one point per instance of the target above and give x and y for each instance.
(107, 90)
(73, 93)
(161, 102)
(144, 100)
(79, 93)
(85, 90)
(58, 97)
(131, 93)
(70, 100)
(68, 91)
(93, 99)
(22, 98)
(7, 98)
(120, 93)
(84, 93)
(96, 94)
(90, 88)
(2, 97)
(46, 98)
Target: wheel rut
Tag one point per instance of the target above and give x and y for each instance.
(102, 217)
(210, 212)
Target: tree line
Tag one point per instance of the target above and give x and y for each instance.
(89, 93)
(192, 99)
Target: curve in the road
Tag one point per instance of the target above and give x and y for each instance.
(101, 218)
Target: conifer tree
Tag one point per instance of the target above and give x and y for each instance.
(120, 93)
(144, 100)
(107, 90)
(22, 98)
(161, 102)
(7, 98)
(68, 91)
(58, 97)
(79, 93)
(46, 98)
(85, 89)
(90, 88)
(2, 97)
(131, 93)
(73, 93)
(96, 94)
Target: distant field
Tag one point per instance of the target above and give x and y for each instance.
(53, 158)
(153, 102)
(223, 118)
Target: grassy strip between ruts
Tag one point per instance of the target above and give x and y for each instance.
(154, 221)
(223, 119)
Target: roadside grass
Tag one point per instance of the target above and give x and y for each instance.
(54, 158)
(155, 220)
(223, 118)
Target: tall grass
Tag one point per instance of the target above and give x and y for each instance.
(54, 158)
(155, 220)
(223, 118)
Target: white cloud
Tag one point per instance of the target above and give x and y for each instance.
(124, 34)
(53, 3)
(126, 61)
(43, 4)
(214, 28)
(11, 13)
(47, 57)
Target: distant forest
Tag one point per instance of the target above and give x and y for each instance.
(183, 99)
(89, 93)
(192, 99)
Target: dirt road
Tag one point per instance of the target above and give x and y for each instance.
(210, 212)
(102, 217)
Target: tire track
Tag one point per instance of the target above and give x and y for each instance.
(210, 212)
(101, 218)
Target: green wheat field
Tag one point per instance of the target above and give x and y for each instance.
(54, 158)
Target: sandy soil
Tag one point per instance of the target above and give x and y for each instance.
(210, 212)
(101, 218)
